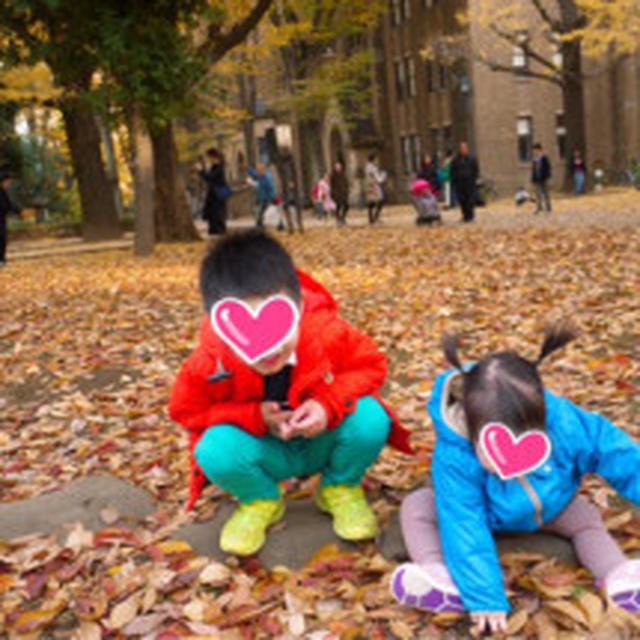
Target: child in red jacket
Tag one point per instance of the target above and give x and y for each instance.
(308, 405)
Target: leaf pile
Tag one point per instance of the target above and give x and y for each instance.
(89, 347)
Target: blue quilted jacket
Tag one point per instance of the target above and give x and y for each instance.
(472, 502)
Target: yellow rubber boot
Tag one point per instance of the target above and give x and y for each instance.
(353, 518)
(244, 532)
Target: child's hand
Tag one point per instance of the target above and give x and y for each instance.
(493, 621)
(275, 418)
(308, 420)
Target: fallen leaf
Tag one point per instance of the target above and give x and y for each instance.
(215, 574)
(124, 612)
(109, 515)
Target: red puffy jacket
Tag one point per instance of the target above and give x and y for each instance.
(336, 364)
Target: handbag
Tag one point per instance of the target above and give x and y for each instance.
(223, 192)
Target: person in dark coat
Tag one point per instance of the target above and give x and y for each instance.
(540, 174)
(214, 210)
(339, 186)
(6, 207)
(429, 172)
(464, 175)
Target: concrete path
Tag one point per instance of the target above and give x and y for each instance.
(291, 543)
(612, 208)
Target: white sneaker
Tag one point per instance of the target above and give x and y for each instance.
(622, 585)
(428, 587)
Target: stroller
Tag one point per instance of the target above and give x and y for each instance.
(425, 203)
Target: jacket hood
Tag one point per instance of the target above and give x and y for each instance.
(447, 413)
(314, 298)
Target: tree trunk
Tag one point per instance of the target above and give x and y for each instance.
(573, 101)
(141, 154)
(111, 165)
(618, 159)
(99, 215)
(173, 222)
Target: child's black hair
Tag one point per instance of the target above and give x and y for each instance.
(505, 387)
(249, 263)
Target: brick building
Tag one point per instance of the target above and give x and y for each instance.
(433, 102)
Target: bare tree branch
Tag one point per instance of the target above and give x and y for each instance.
(528, 73)
(514, 39)
(555, 25)
(239, 31)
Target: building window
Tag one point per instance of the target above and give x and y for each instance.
(399, 70)
(394, 12)
(524, 129)
(417, 153)
(557, 57)
(561, 136)
(443, 75)
(447, 138)
(407, 156)
(406, 9)
(433, 141)
(519, 60)
(429, 71)
(411, 76)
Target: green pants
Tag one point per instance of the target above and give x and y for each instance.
(249, 467)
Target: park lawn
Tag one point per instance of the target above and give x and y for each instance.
(89, 346)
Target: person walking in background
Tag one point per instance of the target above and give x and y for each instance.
(429, 172)
(445, 180)
(579, 171)
(261, 179)
(214, 210)
(464, 175)
(374, 179)
(291, 207)
(540, 174)
(6, 207)
(325, 204)
(340, 192)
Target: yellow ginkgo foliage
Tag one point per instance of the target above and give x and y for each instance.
(27, 84)
(610, 23)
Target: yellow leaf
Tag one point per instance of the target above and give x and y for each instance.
(174, 546)
(35, 620)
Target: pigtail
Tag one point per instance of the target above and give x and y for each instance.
(556, 336)
(450, 348)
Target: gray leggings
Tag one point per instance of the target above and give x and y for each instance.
(580, 521)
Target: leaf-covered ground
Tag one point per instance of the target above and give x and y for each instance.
(89, 347)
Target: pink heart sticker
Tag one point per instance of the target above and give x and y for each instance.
(253, 334)
(511, 456)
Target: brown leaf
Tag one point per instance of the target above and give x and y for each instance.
(569, 610)
(87, 631)
(109, 515)
(544, 626)
(593, 608)
(401, 630)
(516, 622)
(124, 612)
(215, 574)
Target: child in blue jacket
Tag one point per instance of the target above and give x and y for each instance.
(448, 531)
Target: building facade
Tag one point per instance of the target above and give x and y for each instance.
(438, 93)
